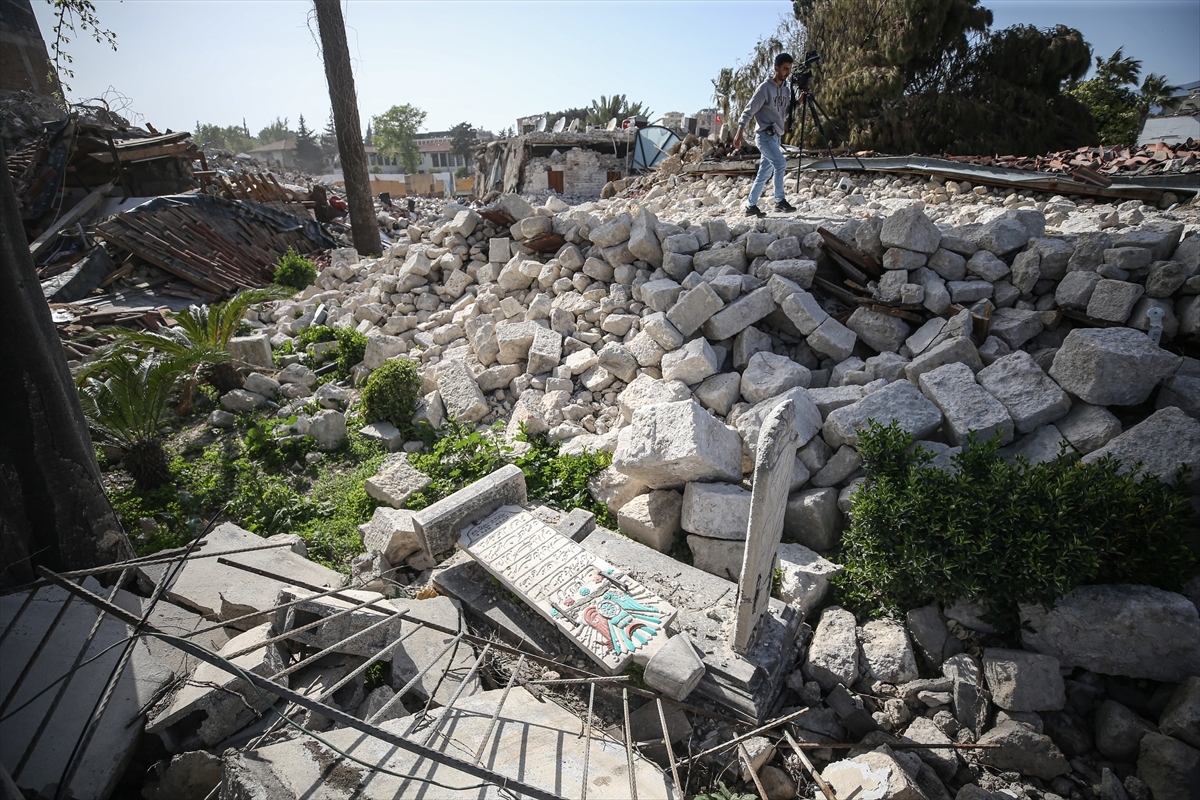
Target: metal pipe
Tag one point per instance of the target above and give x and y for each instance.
(326, 694)
(144, 561)
(403, 690)
(629, 765)
(825, 788)
(229, 622)
(662, 721)
(335, 714)
(331, 649)
(587, 744)
(307, 626)
(738, 740)
(66, 683)
(496, 714)
(666, 740)
(745, 756)
(457, 693)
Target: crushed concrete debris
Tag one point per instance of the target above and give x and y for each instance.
(669, 329)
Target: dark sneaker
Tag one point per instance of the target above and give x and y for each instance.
(784, 206)
(754, 211)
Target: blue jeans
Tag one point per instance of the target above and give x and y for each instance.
(772, 161)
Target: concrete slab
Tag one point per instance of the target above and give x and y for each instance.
(115, 739)
(613, 619)
(439, 525)
(535, 741)
(173, 619)
(335, 630)
(425, 646)
(214, 703)
(201, 582)
(464, 580)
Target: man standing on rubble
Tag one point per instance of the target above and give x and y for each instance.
(769, 107)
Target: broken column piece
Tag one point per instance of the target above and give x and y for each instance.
(439, 525)
(773, 464)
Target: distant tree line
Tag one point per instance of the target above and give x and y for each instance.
(314, 151)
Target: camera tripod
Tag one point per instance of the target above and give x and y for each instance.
(807, 102)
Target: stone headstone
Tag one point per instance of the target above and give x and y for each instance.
(438, 525)
(610, 616)
(773, 463)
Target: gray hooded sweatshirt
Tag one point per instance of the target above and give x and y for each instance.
(768, 106)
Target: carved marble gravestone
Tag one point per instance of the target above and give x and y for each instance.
(773, 465)
(612, 617)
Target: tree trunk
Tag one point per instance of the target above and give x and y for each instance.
(344, 100)
(53, 510)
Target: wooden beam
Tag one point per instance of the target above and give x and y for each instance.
(130, 154)
(70, 218)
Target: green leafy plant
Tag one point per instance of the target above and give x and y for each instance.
(723, 792)
(203, 335)
(374, 677)
(126, 399)
(560, 479)
(352, 346)
(460, 455)
(391, 393)
(294, 270)
(266, 444)
(1002, 534)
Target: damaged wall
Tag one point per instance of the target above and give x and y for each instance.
(580, 172)
(526, 163)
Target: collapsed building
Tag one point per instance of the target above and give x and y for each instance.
(728, 364)
(575, 164)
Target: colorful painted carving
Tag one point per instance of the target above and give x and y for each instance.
(611, 616)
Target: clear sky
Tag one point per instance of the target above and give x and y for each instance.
(488, 62)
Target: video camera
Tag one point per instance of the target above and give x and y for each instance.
(802, 77)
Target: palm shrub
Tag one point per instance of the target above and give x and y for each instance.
(126, 398)
(203, 333)
(1003, 534)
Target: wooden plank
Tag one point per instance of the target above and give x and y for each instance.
(70, 218)
(829, 287)
(143, 154)
(863, 261)
(853, 272)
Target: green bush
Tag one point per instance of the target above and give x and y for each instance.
(294, 270)
(560, 479)
(1003, 534)
(460, 455)
(391, 393)
(352, 346)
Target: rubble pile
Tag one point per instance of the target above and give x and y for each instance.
(667, 327)
(1154, 158)
(729, 365)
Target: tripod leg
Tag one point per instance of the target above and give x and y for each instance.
(839, 134)
(813, 110)
(800, 159)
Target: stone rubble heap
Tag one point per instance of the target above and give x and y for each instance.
(667, 342)
(667, 327)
